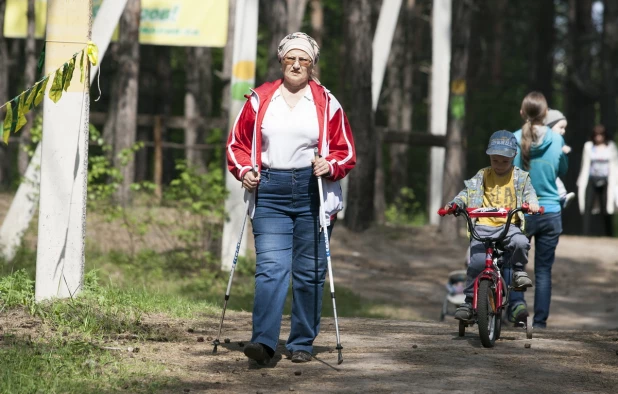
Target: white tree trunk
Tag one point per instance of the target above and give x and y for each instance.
(440, 76)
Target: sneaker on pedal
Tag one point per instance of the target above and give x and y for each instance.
(521, 281)
(464, 312)
(519, 315)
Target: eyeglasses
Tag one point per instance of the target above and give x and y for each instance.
(289, 60)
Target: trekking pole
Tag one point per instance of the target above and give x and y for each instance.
(229, 283)
(330, 268)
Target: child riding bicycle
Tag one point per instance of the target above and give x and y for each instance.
(500, 185)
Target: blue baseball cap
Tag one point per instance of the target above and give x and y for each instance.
(502, 143)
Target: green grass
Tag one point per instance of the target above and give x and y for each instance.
(120, 292)
(56, 366)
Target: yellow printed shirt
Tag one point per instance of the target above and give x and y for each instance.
(499, 192)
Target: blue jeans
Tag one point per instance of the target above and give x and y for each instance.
(288, 242)
(515, 246)
(546, 230)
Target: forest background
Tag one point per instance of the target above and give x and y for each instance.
(153, 274)
(501, 50)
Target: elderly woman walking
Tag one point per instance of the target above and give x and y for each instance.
(276, 132)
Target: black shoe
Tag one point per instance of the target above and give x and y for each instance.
(258, 352)
(301, 356)
(464, 312)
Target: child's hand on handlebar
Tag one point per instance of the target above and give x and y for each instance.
(533, 208)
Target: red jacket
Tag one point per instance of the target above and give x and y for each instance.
(244, 145)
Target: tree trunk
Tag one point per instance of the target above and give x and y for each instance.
(296, 13)
(144, 134)
(226, 77)
(4, 89)
(609, 56)
(276, 15)
(126, 101)
(543, 58)
(149, 85)
(498, 38)
(163, 105)
(455, 136)
(29, 78)
(580, 99)
(282, 17)
(198, 86)
(112, 110)
(358, 36)
(228, 54)
(401, 83)
(317, 26)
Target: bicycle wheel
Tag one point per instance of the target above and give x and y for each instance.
(462, 328)
(486, 311)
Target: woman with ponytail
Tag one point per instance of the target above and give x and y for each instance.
(540, 153)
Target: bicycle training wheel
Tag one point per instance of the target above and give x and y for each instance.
(486, 310)
(462, 328)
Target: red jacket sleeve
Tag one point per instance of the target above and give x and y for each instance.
(239, 142)
(341, 151)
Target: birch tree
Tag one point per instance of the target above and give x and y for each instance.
(454, 164)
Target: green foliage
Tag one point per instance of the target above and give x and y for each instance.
(406, 209)
(104, 181)
(199, 199)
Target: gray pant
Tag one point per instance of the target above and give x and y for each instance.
(516, 246)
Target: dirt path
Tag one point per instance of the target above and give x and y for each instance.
(577, 353)
(395, 356)
(412, 352)
(410, 268)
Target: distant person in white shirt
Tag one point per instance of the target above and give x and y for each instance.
(598, 180)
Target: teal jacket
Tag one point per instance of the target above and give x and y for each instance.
(547, 162)
(472, 195)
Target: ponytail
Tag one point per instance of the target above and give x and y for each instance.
(527, 138)
(533, 110)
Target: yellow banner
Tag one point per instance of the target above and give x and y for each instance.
(200, 23)
(16, 20)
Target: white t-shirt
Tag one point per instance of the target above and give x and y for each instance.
(599, 161)
(289, 135)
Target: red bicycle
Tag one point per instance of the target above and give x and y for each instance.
(491, 294)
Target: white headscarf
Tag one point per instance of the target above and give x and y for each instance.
(300, 41)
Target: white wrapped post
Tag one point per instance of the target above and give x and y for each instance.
(64, 157)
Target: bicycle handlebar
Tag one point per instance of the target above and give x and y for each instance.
(487, 212)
